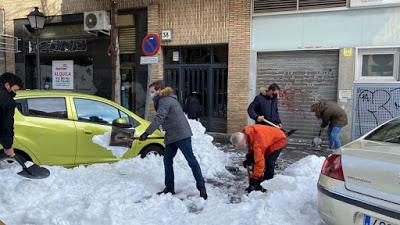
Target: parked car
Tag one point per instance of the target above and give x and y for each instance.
(57, 127)
(360, 183)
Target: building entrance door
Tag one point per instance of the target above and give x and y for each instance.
(203, 70)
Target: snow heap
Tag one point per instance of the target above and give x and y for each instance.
(104, 141)
(123, 193)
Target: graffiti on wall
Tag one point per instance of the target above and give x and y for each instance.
(374, 106)
(291, 98)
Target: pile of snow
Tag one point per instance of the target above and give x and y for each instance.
(123, 193)
(104, 141)
(211, 159)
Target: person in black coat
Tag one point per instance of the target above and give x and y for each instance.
(192, 106)
(265, 106)
(10, 84)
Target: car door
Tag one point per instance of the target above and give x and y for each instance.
(46, 130)
(94, 118)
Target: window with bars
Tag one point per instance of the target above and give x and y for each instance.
(271, 6)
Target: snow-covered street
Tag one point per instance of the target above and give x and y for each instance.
(124, 193)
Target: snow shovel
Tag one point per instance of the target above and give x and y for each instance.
(317, 141)
(32, 172)
(249, 176)
(288, 133)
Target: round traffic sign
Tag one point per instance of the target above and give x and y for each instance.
(150, 44)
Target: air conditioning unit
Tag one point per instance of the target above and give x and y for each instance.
(97, 21)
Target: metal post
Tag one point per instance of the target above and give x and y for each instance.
(39, 77)
(146, 112)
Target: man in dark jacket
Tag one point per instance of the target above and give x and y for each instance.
(334, 116)
(193, 106)
(177, 135)
(10, 84)
(265, 106)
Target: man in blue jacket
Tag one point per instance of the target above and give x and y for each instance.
(265, 106)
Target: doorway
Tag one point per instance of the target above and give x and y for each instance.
(201, 69)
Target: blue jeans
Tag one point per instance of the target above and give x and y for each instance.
(333, 135)
(185, 146)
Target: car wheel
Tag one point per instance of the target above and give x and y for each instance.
(152, 150)
(10, 163)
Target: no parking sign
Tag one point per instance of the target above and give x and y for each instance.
(150, 44)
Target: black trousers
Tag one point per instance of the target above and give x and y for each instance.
(270, 165)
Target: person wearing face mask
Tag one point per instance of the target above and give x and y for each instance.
(265, 106)
(10, 84)
(263, 145)
(177, 135)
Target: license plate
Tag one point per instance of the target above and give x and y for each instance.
(369, 220)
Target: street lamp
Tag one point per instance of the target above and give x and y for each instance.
(36, 20)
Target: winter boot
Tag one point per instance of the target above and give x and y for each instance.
(166, 191)
(203, 194)
(260, 188)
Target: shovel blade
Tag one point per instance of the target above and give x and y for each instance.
(316, 143)
(35, 172)
(290, 132)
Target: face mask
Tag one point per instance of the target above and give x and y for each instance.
(245, 147)
(152, 95)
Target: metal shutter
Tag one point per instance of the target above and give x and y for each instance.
(268, 6)
(319, 4)
(303, 76)
(265, 6)
(127, 40)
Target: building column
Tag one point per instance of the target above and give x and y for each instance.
(238, 66)
(345, 86)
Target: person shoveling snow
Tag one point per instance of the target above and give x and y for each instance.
(264, 145)
(334, 116)
(9, 85)
(177, 135)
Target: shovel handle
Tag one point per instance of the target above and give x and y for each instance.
(272, 124)
(20, 161)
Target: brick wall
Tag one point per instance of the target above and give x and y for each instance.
(193, 22)
(239, 58)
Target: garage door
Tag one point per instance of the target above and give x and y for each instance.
(304, 76)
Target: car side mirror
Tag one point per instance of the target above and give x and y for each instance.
(121, 123)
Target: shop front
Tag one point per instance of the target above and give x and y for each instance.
(73, 59)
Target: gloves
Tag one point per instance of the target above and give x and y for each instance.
(255, 185)
(249, 160)
(144, 136)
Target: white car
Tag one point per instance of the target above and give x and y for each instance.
(360, 183)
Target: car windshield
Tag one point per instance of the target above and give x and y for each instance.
(389, 132)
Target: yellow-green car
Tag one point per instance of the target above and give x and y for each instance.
(57, 127)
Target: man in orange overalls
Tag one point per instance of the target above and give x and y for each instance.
(264, 145)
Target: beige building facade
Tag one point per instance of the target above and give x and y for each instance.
(209, 50)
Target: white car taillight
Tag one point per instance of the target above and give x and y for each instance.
(332, 167)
